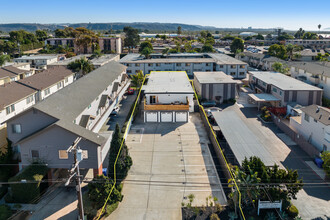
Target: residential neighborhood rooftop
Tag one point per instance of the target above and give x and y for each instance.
(168, 82)
(214, 77)
(319, 113)
(69, 60)
(282, 81)
(12, 92)
(37, 57)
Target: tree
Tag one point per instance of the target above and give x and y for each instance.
(326, 161)
(4, 59)
(166, 51)
(132, 37)
(145, 44)
(299, 34)
(281, 68)
(118, 152)
(179, 31)
(319, 27)
(41, 35)
(210, 40)
(278, 51)
(237, 43)
(146, 52)
(137, 79)
(82, 65)
(310, 35)
(207, 48)
(260, 37)
(284, 36)
(203, 34)
(217, 32)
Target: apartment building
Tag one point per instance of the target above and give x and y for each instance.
(78, 110)
(314, 125)
(189, 62)
(12, 73)
(216, 86)
(284, 89)
(315, 44)
(107, 44)
(168, 97)
(37, 61)
(307, 55)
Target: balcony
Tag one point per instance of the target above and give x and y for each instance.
(175, 106)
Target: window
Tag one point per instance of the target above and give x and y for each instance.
(66, 80)
(62, 154)
(137, 64)
(136, 71)
(152, 99)
(10, 109)
(306, 117)
(233, 66)
(47, 91)
(150, 64)
(274, 90)
(221, 66)
(187, 64)
(188, 71)
(128, 71)
(241, 73)
(315, 120)
(263, 83)
(59, 85)
(157, 64)
(34, 153)
(17, 128)
(208, 64)
(178, 64)
(29, 99)
(90, 105)
(242, 66)
(280, 92)
(232, 73)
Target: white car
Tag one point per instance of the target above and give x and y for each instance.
(212, 109)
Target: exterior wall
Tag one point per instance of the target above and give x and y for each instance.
(171, 98)
(312, 130)
(54, 88)
(48, 144)
(30, 121)
(38, 63)
(20, 106)
(239, 71)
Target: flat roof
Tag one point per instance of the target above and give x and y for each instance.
(242, 141)
(168, 82)
(213, 77)
(69, 60)
(263, 97)
(38, 57)
(282, 81)
(104, 59)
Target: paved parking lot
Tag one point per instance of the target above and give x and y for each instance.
(170, 161)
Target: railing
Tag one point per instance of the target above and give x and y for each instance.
(166, 107)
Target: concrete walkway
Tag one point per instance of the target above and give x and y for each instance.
(170, 162)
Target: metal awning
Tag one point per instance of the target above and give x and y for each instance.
(263, 97)
(103, 101)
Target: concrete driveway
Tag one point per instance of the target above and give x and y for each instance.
(170, 161)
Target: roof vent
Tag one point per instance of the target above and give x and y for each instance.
(320, 116)
(317, 109)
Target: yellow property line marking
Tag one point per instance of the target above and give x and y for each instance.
(129, 123)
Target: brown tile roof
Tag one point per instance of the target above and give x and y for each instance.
(13, 92)
(9, 71)
(46, 78)
(14, 70)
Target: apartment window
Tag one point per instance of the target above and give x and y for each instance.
(128, 64)
(150, 64)
(157, 64)
(221, 66)
(63, 154)
(136, 71)
(232, 73)
(10, 109)
(128, 71)
(59, 85)
(208, 64)
(29, 99)
(137, 64)
(178, 64)
(187, 64)
(152, 99)
(306, 117)
(35, 153)
(274, 90)
(242, 66)
(241, 73)
(280, 92)
(66, 80)
(47, 91)
(263, 83)
(17, 128)
(188, 71)
(233, 66)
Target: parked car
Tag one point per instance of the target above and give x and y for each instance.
(208, 104)
(212, 109)
(115, 110)
(130, 91)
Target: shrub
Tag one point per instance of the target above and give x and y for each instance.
(28, 192)
(3, 191)
(110, 208)
(218, 208)
(292, 211)
(270, 216)
(214, 217)
(326, 160)
(5, 212)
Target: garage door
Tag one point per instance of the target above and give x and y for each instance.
(151, 116)
(166, 116)
(181, 116)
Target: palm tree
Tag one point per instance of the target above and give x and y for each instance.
(81, 66)
(4, 59)
(137, 79)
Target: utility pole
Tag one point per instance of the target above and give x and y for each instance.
(77, 155)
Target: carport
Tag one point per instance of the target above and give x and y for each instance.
(264, 98)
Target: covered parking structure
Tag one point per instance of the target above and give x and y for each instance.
(263, 98)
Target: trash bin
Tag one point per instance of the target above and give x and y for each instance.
(318, 162)
(104, 171)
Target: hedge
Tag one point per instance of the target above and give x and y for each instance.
(28, 192)
(5, 212)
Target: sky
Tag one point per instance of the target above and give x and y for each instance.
(289, 14)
